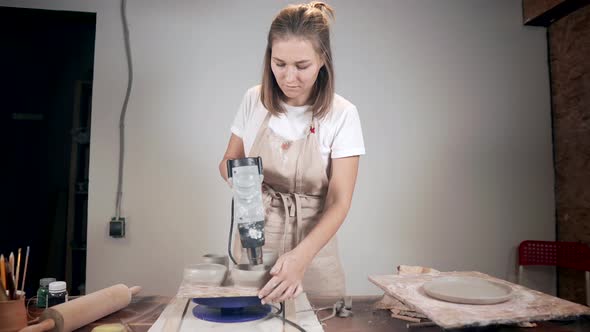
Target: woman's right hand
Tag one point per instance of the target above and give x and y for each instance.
(287, 277)
(235, 150)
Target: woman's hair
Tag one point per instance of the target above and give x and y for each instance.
(311, 22)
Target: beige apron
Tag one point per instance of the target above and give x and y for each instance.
(294, 191)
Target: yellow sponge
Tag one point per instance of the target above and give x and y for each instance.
(109, 328)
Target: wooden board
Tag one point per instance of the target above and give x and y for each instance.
(526, 305)
(173, 315)
(188, 290)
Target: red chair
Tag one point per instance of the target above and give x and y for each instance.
(573, 255)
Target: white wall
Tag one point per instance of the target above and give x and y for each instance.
(454, 102)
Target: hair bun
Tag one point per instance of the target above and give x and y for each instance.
(323, 7)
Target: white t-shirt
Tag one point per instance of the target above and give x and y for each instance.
(340, 133)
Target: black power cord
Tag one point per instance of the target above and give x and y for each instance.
(231, 229)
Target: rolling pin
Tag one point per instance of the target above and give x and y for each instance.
(68, 316)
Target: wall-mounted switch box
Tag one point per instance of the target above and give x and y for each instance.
(117, 228)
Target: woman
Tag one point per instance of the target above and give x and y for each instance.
(310, 140)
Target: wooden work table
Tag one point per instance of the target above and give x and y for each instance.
(145, 310)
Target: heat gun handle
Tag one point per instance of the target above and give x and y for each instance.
(252, 161)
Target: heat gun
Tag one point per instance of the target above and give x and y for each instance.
(245, 176)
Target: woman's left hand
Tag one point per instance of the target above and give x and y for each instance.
(287, 276)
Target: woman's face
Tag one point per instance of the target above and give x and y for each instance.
(295, 65)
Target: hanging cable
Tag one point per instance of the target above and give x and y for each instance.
(231, 229)
(124, 109)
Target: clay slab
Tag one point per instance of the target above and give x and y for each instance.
(469, 290)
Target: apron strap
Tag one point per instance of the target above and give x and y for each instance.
(299, 218)
(292, 208)
(284, 198)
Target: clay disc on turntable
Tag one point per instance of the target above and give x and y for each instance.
(468, 290)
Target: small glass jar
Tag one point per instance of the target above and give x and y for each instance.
(57, 293)
(43, 292)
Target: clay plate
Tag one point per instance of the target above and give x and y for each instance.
(467, 290)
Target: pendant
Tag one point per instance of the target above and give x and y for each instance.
(312, 129)
(285, 145)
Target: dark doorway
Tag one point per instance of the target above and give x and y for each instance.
(46, 69)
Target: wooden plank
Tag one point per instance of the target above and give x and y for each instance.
(175, 314)
(526, 305)
(532, 9)
(545, 12)
(186, 290)
(227, 289)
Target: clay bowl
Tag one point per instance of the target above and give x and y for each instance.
(250, 276)
(206, 274)
(216, 259)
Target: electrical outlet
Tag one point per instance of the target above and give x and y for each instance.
(117, 227)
